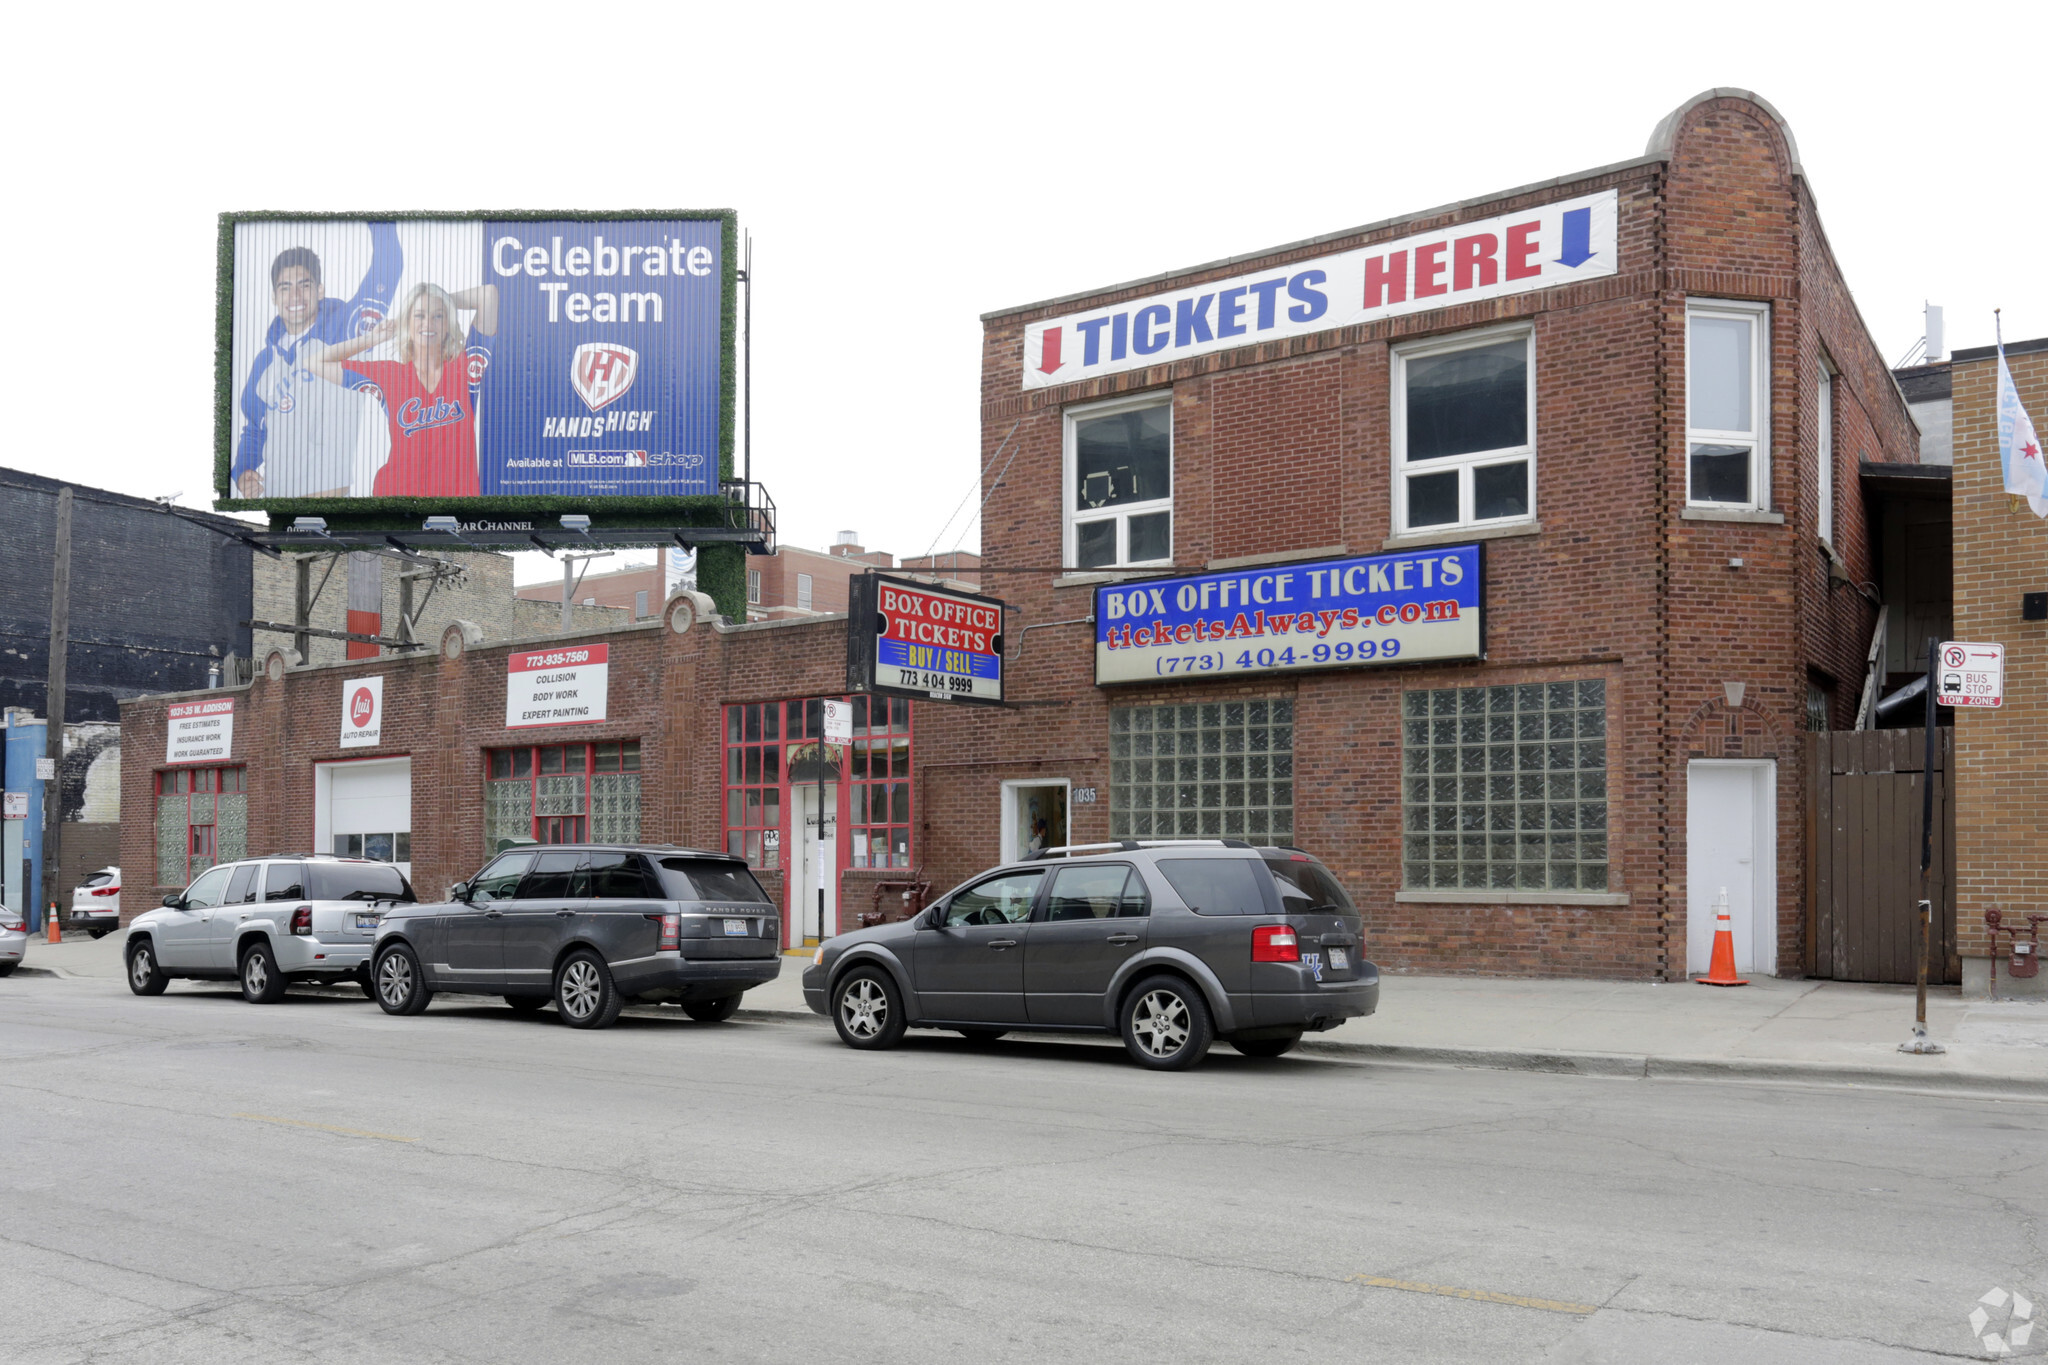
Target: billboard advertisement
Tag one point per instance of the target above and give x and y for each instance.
(461, 362)
(1371, 610)
(910, 639)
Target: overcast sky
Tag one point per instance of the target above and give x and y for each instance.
(903, 170)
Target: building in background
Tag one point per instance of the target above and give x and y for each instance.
(794, 582)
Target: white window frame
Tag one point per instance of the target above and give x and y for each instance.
(1824, 398)
(753, 587)
(1464, 464)
(1072, 518)
(1759, 440)
(803, 592)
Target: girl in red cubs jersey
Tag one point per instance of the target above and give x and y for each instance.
(429, 399)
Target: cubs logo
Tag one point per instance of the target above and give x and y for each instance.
(479, 361)
(602, 371)
(285, 401)
(367, 320)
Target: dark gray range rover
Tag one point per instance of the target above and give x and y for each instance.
(1170, 943)
(590, 927)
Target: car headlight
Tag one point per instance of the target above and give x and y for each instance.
(818, 958)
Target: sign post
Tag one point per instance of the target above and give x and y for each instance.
(835, 727)
(1936, 654)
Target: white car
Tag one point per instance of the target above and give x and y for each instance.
(267, 922)
(96, 904)
(13, 940)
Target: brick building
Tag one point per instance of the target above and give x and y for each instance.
(1636, 397)
(793, 582)
(2001, 781)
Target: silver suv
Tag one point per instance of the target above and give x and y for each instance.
(268, 922)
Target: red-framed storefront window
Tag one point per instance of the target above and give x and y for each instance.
(562, 794)
(772, 747)
(202, 818)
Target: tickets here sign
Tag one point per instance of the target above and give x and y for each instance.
(567, 686)
(1332, 613)
(199, 731)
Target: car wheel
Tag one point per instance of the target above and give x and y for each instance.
(144, 976)
(7, 968)
(97, 934)
(712, 1011)
(867, 1010)
(526, 1004)
(981, 1037)
(262, 982)
(1166, 1024)
(363, 980)
(1266, 1047)
(401, 985)
(584, 993)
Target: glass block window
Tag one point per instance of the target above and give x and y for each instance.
(562, 794)
(1505, 788)
(202, 818)
(1203, 770)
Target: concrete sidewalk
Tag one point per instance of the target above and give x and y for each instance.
(1816, 1032)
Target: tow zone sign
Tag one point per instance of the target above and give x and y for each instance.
(1970, 674)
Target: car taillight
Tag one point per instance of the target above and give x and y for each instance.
(1275, 943)
(302, 920)
(671, 931)
(107, 891)
(14, 926)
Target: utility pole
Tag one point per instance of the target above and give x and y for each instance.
(571, 576)
(53, 707)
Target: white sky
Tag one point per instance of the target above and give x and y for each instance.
(903, 169)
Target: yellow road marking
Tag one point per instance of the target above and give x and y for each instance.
(325, 1128)
(1483, 1295)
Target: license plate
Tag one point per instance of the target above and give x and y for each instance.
(368, 921)
(1340, 961)
(735, 928)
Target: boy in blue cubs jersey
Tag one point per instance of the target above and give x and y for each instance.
(299, 433)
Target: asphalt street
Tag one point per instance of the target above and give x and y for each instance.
(190, 1178)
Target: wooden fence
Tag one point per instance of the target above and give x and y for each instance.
(1863, 856)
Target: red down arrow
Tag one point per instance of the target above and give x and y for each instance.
(1049, 350)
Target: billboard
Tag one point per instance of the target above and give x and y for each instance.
(909, 639)
(1414, 607)
(497, 363)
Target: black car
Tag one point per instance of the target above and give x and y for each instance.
(590, 927)
(1170, 943)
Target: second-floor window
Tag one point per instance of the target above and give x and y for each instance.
(1727, 346)
(1464, 431)
(1119, 476)
(803, 592)
(753, 587)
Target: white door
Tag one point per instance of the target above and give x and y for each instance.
(1731, 844)
(820, 863)
(364, 810)
(1034, 816)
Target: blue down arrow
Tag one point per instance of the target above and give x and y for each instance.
(1578, 237)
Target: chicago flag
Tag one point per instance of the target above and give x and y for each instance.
(2019, 449)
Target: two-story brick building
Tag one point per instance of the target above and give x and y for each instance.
(1629, 404)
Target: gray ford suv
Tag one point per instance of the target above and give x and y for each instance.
(1170, 943)
(590, 927)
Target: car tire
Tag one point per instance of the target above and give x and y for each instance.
(712, 1011)
(526, 1004)
(585, 995)
(145, 977)
(363, 980)
(1266, 1047)
(98, 934)
(981, 1037)
(400, 984)
(1166, 1024)
(7, 968)
(262, 982)
(867, 1009)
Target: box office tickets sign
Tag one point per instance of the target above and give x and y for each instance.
(199, 731)
(567, 686)
(1331, 613)
(915, 640)
(456, 358)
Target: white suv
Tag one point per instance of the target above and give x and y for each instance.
(267, 922)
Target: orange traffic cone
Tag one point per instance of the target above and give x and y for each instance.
(1721, 971)
(50, 921)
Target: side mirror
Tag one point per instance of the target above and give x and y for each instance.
(175, 901)
(934, 918)
(459, 892)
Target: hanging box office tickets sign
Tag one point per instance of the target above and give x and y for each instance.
(1330, 613)
(199, 731)
(557, 687)
(907, 639)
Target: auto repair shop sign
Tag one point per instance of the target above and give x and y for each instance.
(362, 713)
(1329, 613)
(566, 686)
(199, 731)
(1552, 244)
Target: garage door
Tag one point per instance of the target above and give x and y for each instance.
(365, 810)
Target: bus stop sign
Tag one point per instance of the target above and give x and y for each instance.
(1970, 674)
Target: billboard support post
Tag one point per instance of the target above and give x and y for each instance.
(53, 708)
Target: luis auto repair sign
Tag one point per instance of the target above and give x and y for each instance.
(557, 687)
(459, 357)
(1331, 613)
(913, 639)
(362, 712)
(199, 731)
(1553, 244)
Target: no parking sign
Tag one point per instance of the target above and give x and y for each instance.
(1970, 674)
